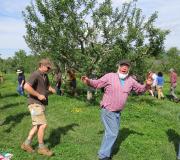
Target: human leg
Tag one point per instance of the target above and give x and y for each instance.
(159, 92)
(151, 92)
(27, 144)
(41, 131)
(172, 92)
(111, 122)
(42, 148)
(162, 95)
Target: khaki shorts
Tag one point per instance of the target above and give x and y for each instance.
(37, 114)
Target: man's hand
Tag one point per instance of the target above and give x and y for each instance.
(41, 97)
(85, 79)
(52, 90)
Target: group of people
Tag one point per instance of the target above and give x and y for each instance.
(117, 87)
(156, 89)
(57, 77)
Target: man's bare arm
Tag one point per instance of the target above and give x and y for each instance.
(31, 91)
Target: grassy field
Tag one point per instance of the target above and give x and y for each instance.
(149, 127)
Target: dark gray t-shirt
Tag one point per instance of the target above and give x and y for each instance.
(40, 83)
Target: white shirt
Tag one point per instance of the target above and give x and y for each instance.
(154, 76)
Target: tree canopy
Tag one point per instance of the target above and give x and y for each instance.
(88, 35)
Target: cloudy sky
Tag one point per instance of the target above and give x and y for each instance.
(12, 25)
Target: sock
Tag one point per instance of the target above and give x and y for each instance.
(27, 142)
(41, 145)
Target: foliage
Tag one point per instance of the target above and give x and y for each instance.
(89, 36)
(165, 61)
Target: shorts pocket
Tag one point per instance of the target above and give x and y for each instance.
(36, 110)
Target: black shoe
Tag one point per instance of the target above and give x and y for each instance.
(106, 158)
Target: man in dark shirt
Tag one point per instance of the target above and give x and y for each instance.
(38, 88)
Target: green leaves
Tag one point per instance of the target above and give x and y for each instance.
(87, 36)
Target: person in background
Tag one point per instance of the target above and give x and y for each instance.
(117, 87)
(90, 90)
(160, 83)
(173, 81)
(150, 90)
(21, 82)
(38, 87)
(154, 85)
(72, 81)
(58, 81)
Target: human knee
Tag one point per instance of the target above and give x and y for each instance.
(43, 126)
(113, 134)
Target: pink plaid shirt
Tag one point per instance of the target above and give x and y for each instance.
(115, 95)
(173, 79)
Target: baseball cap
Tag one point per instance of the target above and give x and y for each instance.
(125, 61)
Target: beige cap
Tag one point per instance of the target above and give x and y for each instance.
(171, 70)
(19, 71)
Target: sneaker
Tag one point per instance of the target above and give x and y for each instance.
(27, 148)
(45, 151)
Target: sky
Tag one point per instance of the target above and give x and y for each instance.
(12, 27)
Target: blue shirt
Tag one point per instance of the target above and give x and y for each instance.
(160, 81)
(122, 82)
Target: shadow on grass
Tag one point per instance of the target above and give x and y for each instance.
(123, 134)
(10, 105)
(14, 120)
(173, 99)
(55, 135)
(174, 137)
(9, 95)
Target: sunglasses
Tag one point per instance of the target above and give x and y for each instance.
(48, 67)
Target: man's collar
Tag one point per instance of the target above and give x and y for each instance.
(40, 72)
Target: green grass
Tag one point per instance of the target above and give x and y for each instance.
(149, 127)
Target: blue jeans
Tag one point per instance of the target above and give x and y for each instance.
(20, 90)
(178, 156)
(111, 122)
